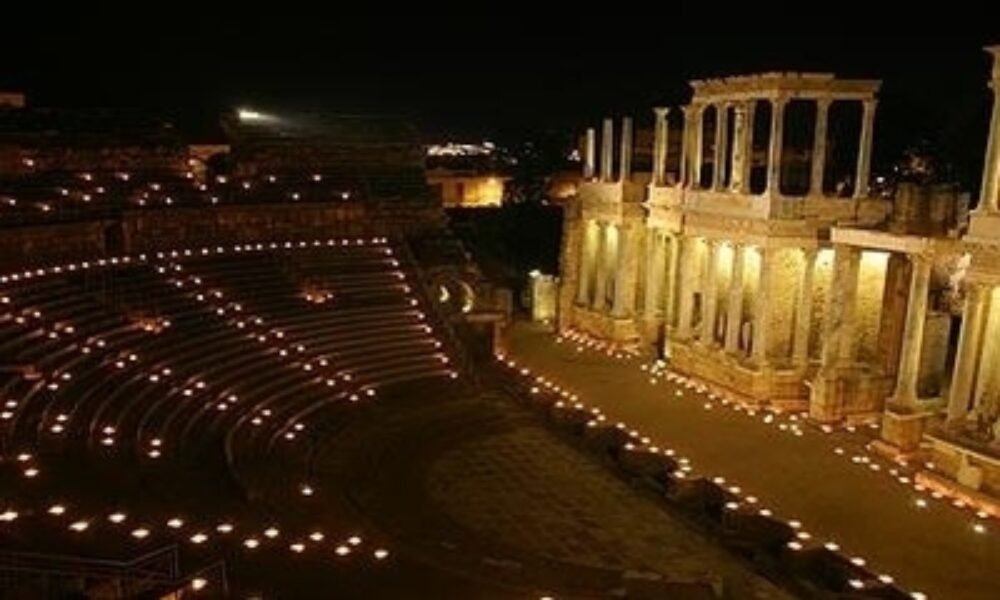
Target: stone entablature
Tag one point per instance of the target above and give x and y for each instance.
(789, 84)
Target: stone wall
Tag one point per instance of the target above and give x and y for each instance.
(154, 228)
(44, 244)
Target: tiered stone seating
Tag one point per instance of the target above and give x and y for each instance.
(60, 196)
(131, 380)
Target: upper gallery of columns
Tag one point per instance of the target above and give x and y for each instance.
(769, 134)
(983, 238)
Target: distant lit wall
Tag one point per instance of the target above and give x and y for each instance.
(543, 296)
(467, 190)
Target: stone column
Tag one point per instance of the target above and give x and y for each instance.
(969, 347)
(747, 146)
(626, 271)
(848, 352)
(589, 154)
(762, 309)
(913, 333)
(600, 300)
(685, 173)
(865, 148)
(654, 273)
(697, 145)
(776, 145)
(660, 146)
(625, 161)
(586, 264)
(671, 286)
(990, 190)
(685, 291)
(710, 294)
(607, 150)
(838, 327)
(819, 147)
(738, 155)
(803, 311)
(721, 141)
(734, 313)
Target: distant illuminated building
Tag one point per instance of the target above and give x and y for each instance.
(467, 188)
(467, 175)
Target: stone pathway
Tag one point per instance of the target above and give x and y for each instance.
(929, 546)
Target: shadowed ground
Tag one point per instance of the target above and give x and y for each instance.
(477, 499)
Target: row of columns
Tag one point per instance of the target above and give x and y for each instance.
(740, 157)
(691, 282)
(840, 338)
(607, 152)
(970, 341)
(603, 268)
(990, 191)
(961, 396)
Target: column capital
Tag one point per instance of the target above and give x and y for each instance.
(824, 102)
(994, 52)
(661, 111)
(919, 259)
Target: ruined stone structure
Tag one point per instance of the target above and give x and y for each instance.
(964, 438)
(716, 260)
(763, 263)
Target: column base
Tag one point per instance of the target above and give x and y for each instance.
(904, 429)
(783, 389)
(599, 324)
(838, 394)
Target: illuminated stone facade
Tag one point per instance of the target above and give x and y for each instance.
(716, 262)
(467, 189)
(753, 263)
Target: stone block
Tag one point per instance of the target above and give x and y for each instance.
(903, 430)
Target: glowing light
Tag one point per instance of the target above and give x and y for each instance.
(80, 526)
(245, 114)
(198, 583)
(140, 533)
(381, 554)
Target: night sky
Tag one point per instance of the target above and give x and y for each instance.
(474, 77)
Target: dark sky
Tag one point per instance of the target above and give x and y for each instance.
(472, 77)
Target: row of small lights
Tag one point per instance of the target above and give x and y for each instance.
(156, 443)
(199, 537)
(146, 197)
(793, 424)
(658, 374)
(642, 443)
(585, 341)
